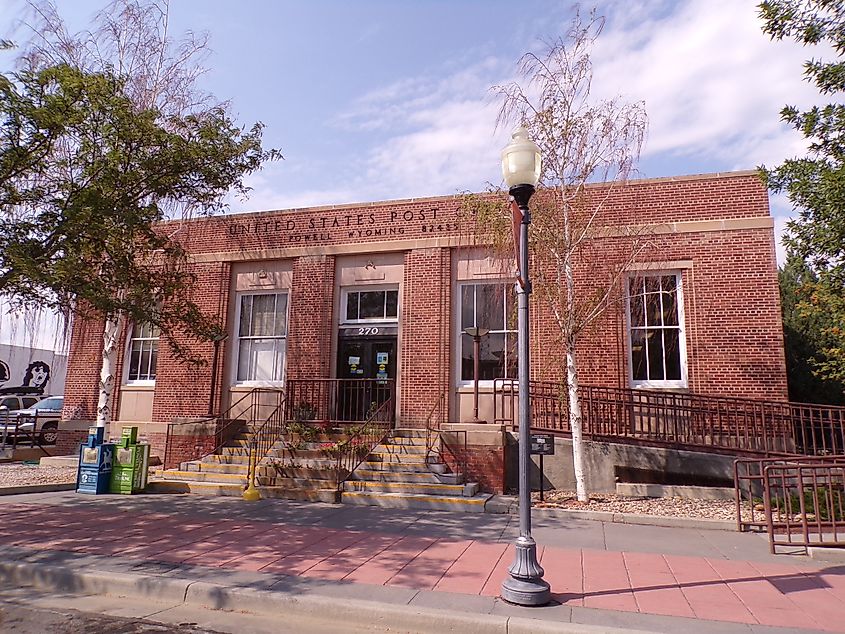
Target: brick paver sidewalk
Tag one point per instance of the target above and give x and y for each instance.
(787, 595)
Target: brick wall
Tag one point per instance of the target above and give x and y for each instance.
(85, 357)
(183, 389)
(733, 330)
(68, 441)
(484, 464)
(185, 447)
(424, 369)
(311, 324)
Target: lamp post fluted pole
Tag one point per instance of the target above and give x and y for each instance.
(521, 163)
(526, 585)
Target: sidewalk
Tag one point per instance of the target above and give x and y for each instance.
(230, 553)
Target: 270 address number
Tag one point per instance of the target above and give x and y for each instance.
(368, 331)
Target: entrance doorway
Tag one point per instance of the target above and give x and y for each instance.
(367, 367)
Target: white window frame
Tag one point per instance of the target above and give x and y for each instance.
(127, 364)
(237, 339)
(682, 339)
(344, 298)
(460, 382)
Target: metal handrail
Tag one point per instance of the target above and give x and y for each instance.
(223, 431)
(718, 423)
(21, 429)
(433, 423)
(266, 435)
(352, 452)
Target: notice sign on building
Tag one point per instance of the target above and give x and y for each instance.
(542, 445)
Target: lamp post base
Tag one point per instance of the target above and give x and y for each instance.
(526, 585)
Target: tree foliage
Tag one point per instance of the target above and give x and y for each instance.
(806, 338)
(86, 175)
(103, 135)
(815, 184)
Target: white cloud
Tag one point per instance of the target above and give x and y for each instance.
(712, 81)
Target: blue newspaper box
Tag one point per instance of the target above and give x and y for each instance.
(95, 463)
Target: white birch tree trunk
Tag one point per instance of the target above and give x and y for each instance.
(575, 423)
(110, 337)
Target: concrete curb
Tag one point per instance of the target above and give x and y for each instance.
(506, 506)
(832, 555)
(646, 520)
(354, 612)
(37, 488)
(67, 579)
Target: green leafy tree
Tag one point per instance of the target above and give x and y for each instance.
(815, 184)
(96, 151)
(805, 337)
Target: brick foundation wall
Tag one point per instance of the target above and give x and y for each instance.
(68, 441)
(484, 464)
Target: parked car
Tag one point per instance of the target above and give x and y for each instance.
(17, 402)
(42, 416)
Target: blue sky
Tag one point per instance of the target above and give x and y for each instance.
(372, 100)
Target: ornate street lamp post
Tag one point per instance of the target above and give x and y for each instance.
(521, 170)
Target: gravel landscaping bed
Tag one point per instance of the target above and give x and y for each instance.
(662, 507)
(17, 474)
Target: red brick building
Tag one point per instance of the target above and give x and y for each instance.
(384, 290)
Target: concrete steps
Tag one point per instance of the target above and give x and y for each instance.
(306, 472)
(399, 474)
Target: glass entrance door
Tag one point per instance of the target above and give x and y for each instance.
(367, 369)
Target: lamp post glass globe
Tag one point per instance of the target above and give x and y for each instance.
(521, 160)
(521, 170)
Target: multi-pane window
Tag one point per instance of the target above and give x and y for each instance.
(262, 335)
(656, 330)
(491, 306)
(143, 353)
(372, 305)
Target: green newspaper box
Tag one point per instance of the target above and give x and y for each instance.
(131, 459)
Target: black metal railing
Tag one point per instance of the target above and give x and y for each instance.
(799, 501)
(17, 430)
(247, 412)
(338, 402)
(362, 440)
(682, 420)
(433, 424)
(265, 431)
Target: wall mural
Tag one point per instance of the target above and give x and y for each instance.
(34, 381)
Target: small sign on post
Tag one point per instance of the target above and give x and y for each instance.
(542, 445)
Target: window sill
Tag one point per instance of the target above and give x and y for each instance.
(141, 386)
(253, 385)
(674, 386)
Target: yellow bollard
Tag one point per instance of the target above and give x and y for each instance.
(251, 493)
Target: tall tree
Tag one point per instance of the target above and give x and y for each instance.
(815, 184)
(102, 136)
(582, 141)
(805, 335)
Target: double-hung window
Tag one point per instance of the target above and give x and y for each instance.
(491, 306)
(143, 354)
(656, 331)
(262, 337)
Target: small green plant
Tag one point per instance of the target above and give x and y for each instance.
(830, 504)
